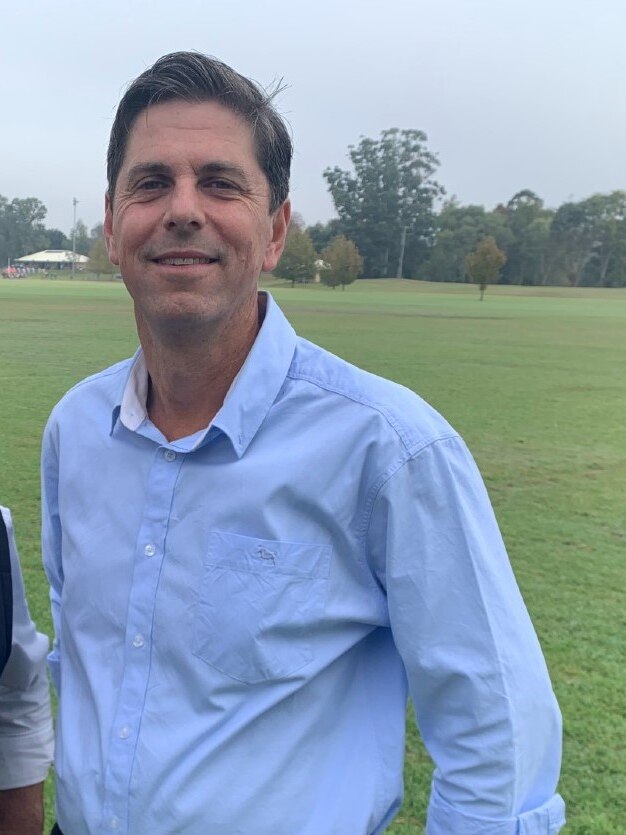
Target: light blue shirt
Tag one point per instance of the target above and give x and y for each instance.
(241, 615)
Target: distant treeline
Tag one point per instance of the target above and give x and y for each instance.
(578, 244)
(23, 231)
(386, 204)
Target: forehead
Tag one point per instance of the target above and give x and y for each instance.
(190, 131)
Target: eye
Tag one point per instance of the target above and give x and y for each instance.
(150, 185)
(220, 185)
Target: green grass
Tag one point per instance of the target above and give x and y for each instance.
(534, 378)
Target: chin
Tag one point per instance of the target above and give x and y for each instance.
(191, 317)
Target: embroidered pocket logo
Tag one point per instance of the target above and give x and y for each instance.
(265, 554)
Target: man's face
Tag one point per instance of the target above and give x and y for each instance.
(190, 226)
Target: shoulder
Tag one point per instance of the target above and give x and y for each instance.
(393, 407)
(99, 392)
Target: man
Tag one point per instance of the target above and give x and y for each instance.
(255, 547)
(26, 738)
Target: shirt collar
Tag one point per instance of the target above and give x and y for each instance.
(249, 398)
(133, 409)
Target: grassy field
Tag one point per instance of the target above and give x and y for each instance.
(534, 378)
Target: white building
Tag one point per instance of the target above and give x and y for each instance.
(51, 259)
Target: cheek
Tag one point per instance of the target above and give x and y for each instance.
(253, 252)
(126, 238)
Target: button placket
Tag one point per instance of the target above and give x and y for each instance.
(150, 551)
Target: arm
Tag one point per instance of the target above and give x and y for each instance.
(26, 740)
(478, 680)
(21, 810)
(51, 543)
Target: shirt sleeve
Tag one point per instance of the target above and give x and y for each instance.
(51, 545)
(481, 691)
(26, 736)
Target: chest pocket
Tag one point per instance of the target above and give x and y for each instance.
(258, 603)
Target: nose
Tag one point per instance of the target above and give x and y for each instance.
(184, 209)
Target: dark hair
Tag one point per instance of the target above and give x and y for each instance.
(193, 77)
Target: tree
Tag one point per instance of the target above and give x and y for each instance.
(344, 263)
(573, 236)
(297, 263)
(21, 227)
(99, 259)
(385, 204)
(528, 252)
(459, 229)
(83, 241)
(484, 264)
(321, 234)
(57, 239)
(96, 233)
(607, 214)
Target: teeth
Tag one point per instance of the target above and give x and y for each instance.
(183, 262)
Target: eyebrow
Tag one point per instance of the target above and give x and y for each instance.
(144, 169)
(228, 168)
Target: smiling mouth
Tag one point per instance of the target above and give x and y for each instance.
(183, 262)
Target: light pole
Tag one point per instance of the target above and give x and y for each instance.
(75, 203)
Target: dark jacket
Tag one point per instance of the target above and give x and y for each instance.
(6, 597)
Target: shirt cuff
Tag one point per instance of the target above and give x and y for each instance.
(544, 820)
(26, 759)
(26, 733)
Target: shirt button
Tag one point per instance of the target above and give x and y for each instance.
(169, 455)
(149, 550)
(114, 823)
(138, 640)
(124, 732)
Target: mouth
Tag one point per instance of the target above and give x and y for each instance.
(183, 261)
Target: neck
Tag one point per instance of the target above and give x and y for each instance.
(191, 370)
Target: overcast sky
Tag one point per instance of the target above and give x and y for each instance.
(512, 94)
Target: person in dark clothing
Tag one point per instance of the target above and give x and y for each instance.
(26, 737)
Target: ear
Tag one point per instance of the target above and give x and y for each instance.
(280, 223)
(108, 231)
